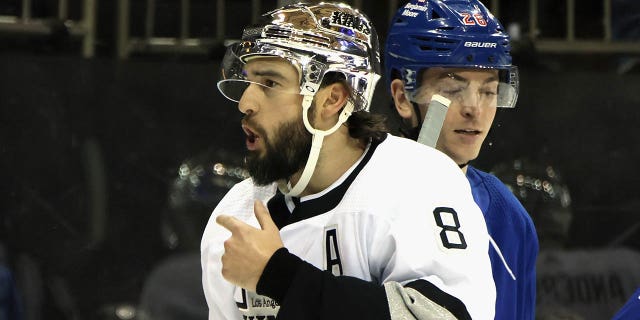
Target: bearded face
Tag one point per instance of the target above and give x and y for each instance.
(286, 152)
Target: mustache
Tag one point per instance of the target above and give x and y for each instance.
(247, 120)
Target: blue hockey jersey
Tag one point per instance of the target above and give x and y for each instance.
(512, 229)
(631, 309)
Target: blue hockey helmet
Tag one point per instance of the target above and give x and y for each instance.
(448, 33)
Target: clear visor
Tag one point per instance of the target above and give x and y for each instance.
(501, 91)
(233, 89)
(239, 53)
(236, 80)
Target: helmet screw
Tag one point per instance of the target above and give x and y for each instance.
(470, 58)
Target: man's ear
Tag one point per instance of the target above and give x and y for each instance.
(336, 98)
(402, 104)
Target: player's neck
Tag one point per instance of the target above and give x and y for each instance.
(339, 152)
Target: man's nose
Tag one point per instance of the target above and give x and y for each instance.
(248, 102)
(470, 100)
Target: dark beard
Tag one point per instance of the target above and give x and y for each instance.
(286, 153)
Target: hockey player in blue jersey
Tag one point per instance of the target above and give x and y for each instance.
(459, 50)
(339, 220)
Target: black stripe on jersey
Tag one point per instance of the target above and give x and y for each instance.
(278, 210)
(447, 301)
(311, 208)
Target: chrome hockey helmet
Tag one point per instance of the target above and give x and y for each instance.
(316, 39)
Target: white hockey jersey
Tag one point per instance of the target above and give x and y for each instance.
(398, 236)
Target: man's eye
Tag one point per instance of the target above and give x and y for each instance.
(489, 92)
(270, 83)
(452, 91)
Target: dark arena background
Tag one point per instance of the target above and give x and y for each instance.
(115, 145)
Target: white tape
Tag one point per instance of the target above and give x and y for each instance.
(433, 120)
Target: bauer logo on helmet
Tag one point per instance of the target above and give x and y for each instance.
(476, 44)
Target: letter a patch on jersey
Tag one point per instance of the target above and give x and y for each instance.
(331, 251)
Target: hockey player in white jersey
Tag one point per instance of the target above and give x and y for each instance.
(339, 220)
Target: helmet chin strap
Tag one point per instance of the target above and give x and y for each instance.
(316, 145)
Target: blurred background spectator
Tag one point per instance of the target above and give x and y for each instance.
(173, 289)
(573, 281)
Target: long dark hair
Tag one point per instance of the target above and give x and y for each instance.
(363, 125)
